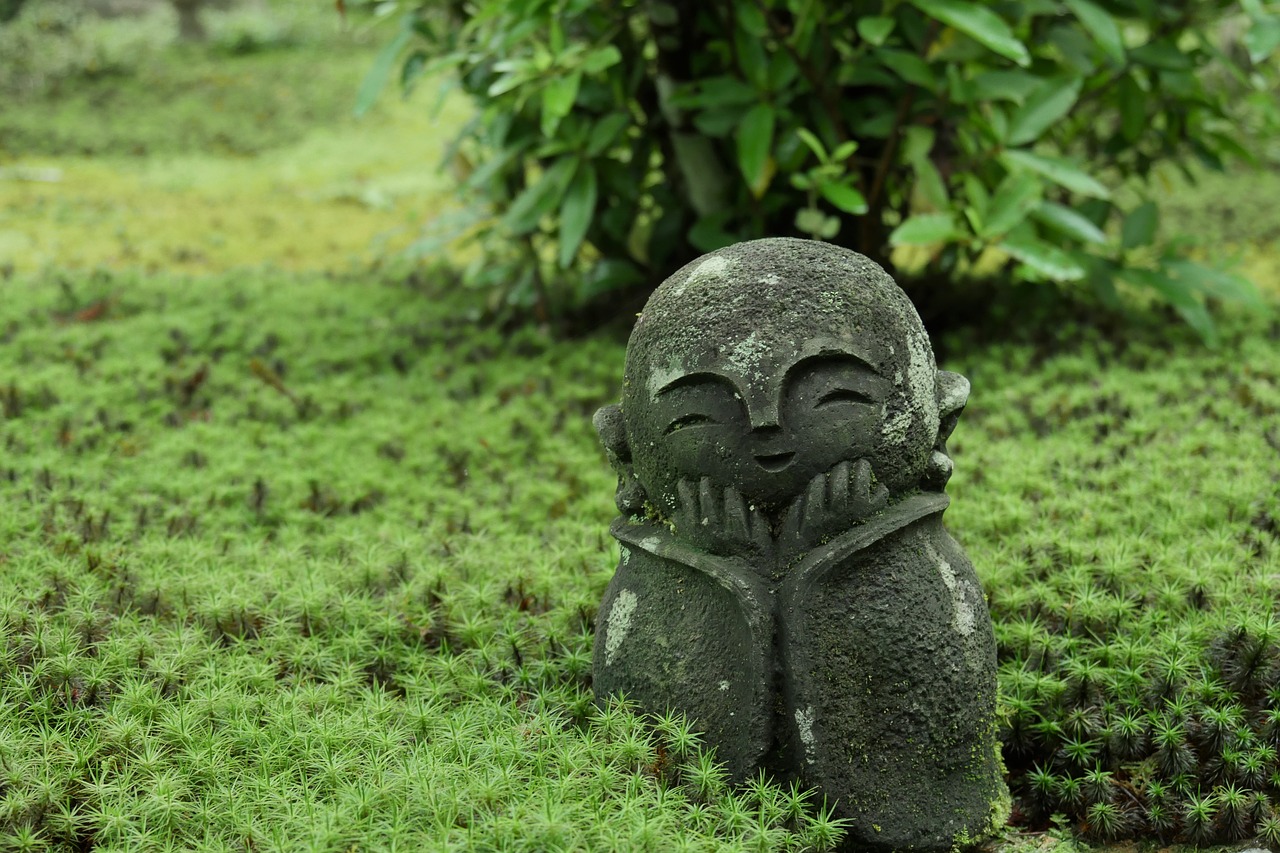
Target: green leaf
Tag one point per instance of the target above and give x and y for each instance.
(1139, 226)
(875, 29)
(1177, 294)
(1044, 105)
(1101, 26)
(609, 274)
(600, 59)
(576, 212)
(1005, 85)
(1062, 172)
(930, 184)
(925, 229)
(978, 197)
(750, 18)
(815, 145)
(1066, 221)
(605, 131)
(709, 234)
(783, 70)
(917, 142)
(1217, 283)
(721, 91)
(1262, 38)
(380, 72)
(810, 220)
(1162, 54)
(1014, 200)
(753, 59)
(844, 151)
(979, 23)
(844, 197)
(557, 100)
(1230, 145)
(1133, 109)
(492, 165)
(909, 67)
(411, 71)
(755, 142)
(541, 197)
(508, 82)
(1049, 261)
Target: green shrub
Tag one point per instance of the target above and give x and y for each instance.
(9, 9)
(947, 139)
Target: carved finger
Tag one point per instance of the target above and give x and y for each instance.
(790, 534)
(690, 508)
(815, 503)
(761, 535)
(736, 523)
(838, 488)
(711, 516)
(861, 488)
(872, 495)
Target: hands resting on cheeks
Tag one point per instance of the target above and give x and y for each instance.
(719, 520)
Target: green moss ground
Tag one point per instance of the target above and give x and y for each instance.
(295, 556)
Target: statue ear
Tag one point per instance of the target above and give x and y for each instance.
(612, 429)
(613, 432)
(953, 394)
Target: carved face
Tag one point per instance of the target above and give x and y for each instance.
(768, 439)
(765, 364)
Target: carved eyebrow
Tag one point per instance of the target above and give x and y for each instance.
(839, 359)
(695, 378)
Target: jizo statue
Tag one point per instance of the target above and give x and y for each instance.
(786, 580)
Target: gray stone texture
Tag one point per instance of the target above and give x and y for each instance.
(785, 579)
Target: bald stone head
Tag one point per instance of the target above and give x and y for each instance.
(766, 363)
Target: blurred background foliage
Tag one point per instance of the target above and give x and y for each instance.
(123, 146)
(954, 142)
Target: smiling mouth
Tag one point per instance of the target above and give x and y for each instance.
(775, 462)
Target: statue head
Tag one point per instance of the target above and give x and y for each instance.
(765, 364)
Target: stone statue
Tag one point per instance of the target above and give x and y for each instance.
(785, 579)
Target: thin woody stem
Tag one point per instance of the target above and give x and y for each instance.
(895, 133)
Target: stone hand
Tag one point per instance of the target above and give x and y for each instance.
(719, 520)
(833, 501)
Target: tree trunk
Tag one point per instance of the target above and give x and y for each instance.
(190, 28)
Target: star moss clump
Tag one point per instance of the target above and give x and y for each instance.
(295, 561)
(1124, 498)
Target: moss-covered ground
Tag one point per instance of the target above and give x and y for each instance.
(296, 555)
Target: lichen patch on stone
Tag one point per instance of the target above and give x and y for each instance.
(920, 378)
(895, 429)
(804, 725)
(661, 377)
(963, 620)
(747, 354)
(619, 624)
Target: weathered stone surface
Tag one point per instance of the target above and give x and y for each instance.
(786, 580)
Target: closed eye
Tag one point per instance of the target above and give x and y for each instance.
(688, 421)
(843, 395)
